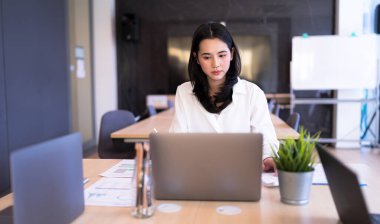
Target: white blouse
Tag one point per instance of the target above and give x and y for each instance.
(248, 112)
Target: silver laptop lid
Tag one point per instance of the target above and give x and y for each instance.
(47, 181)
(207, 166)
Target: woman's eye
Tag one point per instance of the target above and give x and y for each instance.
(206, 58)
(222, 55)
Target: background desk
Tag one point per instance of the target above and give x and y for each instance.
(269, 209)
(161, 122)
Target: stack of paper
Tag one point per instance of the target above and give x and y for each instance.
(115, 188)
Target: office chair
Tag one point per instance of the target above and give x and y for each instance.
(170, 104)
(277, 109)
(271, 105)
(274, 107)
(152, 110)
(109, 148)
(294, 120)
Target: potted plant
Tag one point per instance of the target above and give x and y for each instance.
(294, 161)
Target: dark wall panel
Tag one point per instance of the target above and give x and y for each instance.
(34, 78)
(145, 68)
(143, 64)
(35, 46)
(4, 152)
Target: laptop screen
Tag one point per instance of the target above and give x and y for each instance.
(207, 166)
(345, 189)
(47, 181)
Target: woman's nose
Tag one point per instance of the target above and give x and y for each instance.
(216, 63)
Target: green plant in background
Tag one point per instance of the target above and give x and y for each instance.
(297, 155)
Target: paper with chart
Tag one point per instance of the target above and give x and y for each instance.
(110, 192)
(122, 169)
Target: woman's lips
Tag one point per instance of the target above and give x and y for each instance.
(216, 72)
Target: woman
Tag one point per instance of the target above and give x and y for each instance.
(215, 99)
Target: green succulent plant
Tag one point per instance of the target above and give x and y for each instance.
(297, 155)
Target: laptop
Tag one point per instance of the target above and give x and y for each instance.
(207, 166)
(47, 181)
(345, 190)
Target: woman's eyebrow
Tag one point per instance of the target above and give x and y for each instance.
(220, 52)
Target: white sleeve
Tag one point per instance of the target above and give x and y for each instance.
(262, 123)
(179, 120)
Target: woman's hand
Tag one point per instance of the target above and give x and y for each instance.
(269, 165)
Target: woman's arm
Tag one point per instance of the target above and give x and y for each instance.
(262, 123)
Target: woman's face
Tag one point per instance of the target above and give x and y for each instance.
(214, 57)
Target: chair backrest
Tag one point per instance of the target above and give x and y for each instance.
(152, 110)
(274, 107)
(271, 105)
(170, 104)
(294, 120)
(115, 149)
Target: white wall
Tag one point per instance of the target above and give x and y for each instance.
(105, 71)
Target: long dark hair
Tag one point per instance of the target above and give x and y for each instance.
(199, 79)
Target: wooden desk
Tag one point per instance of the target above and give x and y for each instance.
(161, 122)
(269, 209)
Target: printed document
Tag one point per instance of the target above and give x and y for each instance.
(122, 169)
(110, 192)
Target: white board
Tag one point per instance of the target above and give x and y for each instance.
(334, 62)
